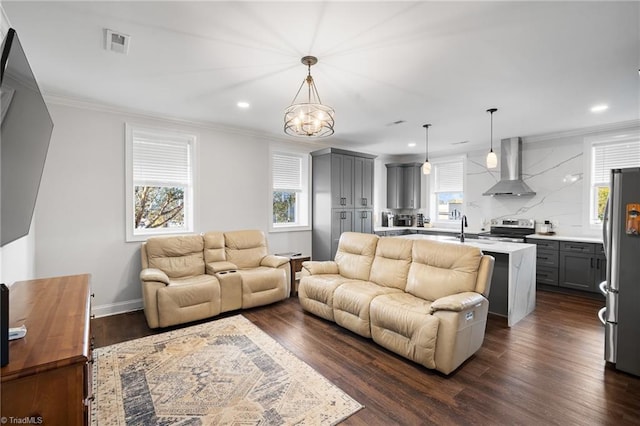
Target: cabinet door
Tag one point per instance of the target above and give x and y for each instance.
(342, 167)
(407, 200)
(342, 221)
(363, 221)
(577, 271)
(363, 182)
(394, 181)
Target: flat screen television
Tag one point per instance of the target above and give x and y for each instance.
(24, 140)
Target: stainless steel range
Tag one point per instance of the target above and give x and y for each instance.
(510, 230)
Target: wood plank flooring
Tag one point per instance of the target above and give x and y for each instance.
(546, 370)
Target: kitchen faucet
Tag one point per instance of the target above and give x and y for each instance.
(463, 224)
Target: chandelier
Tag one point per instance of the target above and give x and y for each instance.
(310, 118)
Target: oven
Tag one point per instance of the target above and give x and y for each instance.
(509, 230)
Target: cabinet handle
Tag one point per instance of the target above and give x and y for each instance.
(592, 262)
(597, 263)
(364, 201)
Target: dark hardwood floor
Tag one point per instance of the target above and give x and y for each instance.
(546, 370)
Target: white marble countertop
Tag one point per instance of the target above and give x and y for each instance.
(456, 231)
(576, 238)
(484, 245)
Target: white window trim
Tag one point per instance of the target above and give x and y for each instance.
(431, 196)
(306, 183)
(587, 193)
(191, 214)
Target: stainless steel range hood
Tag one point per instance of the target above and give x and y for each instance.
(511, 182)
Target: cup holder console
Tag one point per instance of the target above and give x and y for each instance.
(227, 272)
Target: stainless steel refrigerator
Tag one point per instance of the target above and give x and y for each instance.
(621, 239)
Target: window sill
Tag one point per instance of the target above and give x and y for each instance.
(293, 228)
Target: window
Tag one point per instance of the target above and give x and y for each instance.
(289, 191)
(604, 157)
(447, 190)
(160, 182)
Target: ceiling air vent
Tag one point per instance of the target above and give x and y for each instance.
(116, 42)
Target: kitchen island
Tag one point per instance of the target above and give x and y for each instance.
(513, 286)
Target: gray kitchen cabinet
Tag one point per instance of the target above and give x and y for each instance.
(582, 266)
(363, 182)
(499, 293)
(363, 221)
(342, 180)
(547, 261)
(342, 198)
(404, 182)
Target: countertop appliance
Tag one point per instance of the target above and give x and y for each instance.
(403, 220)
(510, 230)
(621, 239)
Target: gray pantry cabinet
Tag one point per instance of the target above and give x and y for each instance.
(404, 181)
(342, 197)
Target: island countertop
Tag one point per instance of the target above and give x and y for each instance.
(484, 245)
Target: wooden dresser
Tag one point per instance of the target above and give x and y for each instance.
(49, 374)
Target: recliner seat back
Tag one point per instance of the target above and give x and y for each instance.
(245, 249)
(355, 254)
(440, 269)
(391, 263)
(177, 256)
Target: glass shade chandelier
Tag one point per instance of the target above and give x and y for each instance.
(426, 167)
(492, 158)
(310, 118)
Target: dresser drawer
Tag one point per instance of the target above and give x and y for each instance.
(578, 247)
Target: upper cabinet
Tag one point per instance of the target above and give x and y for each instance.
(404, 182)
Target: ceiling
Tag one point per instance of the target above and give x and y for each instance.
(542, 64)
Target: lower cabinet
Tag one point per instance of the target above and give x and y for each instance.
(569, 264)
(581, 267)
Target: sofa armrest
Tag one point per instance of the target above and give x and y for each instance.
(457, 302)
(274, 261)
(314, 267)
(153, 274)
(213, 267)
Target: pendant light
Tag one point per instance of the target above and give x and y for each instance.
(308, 117)
(426, 167)
(492, 158)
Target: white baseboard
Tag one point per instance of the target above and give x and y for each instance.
(116, 308)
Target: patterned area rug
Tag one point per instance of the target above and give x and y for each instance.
(225, 372)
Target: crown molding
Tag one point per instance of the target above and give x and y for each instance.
(85, 104)
(602, 128)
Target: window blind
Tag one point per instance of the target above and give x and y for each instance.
(614, 156)
(157, 161)
(448, 177)
(287, 172)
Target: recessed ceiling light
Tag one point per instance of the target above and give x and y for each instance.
(412, 144)
(599, 108)
(243, 104)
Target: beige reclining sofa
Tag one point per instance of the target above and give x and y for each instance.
(424, 300)
(191, 277)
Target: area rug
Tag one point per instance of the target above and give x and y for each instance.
(223, 372)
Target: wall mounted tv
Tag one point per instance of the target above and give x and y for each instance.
(24, 140)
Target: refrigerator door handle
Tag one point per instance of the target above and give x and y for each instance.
(603, 288)
(605, 230)
(601, 314)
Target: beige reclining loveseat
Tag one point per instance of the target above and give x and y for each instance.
(424, 300)
(191, 277)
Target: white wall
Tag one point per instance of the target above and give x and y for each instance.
(80, 212)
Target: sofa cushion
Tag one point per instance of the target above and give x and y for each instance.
(351, 303)
(355, 254)
(245, 249)
(263, 285)
(401, 323)
(188, 299)
(177, 256)
(315, 293)
(441, 269)
(391, 263)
